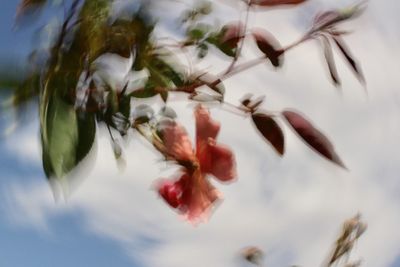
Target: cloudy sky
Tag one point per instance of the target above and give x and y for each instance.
(290, 207)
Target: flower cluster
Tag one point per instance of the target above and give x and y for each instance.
(192, 194)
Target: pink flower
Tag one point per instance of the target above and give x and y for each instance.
(192, 194)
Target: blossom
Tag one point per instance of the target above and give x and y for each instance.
(192, 194)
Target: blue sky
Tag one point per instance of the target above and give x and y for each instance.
(290, 207)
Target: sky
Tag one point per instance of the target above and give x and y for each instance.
(290, 207)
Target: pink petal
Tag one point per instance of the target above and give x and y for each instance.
(199, 198)
(192, 195)
(171, 192)
(222, 162)
(205, 127)
(176, 141)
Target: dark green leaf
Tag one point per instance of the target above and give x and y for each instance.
(164, 95)
(86, 135)
(144, 93)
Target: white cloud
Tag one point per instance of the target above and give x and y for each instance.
(23, 141)
(291, 207)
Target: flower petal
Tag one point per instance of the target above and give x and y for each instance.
(171, 191)
(222, 162)
(192, 195)
(176, 141)
(198, 198)
(205, 127)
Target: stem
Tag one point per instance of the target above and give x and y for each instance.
(157, 144)
(240, 47)
(242, 67)
(60, 40)
(254, 62)
(301, 40)
(243, 112)
(111, 135)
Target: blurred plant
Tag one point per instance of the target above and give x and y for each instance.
(99, 62)
(253, 255)
(352, 230)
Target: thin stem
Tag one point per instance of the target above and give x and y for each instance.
(301, 40)
(242, 111)
(63, 32)
(111, 135)
(242, 67)
(157, 144)
(240, 47)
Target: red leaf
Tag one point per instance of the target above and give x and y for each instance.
(267, 3)
(270, 130)
(313, 137)
(269, 45)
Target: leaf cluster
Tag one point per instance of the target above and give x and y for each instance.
(77, 89)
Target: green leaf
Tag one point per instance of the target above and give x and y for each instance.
(60, 136)
(164, 95)
(217, 40)
(92, 32)
(196, 34)
(144, 93)
(67, 137)
(86, 135)
(125, 106)
(163, 73)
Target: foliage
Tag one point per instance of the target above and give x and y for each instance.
(351, 231)
(88, 79)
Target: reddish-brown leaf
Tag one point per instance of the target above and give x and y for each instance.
(328, 19)
(269, 45)
(330, 61)
(325, 19)
(233, 33)
(346, 53)
(246, 99)
(268, 3)
(312, 136)
(270, 130)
